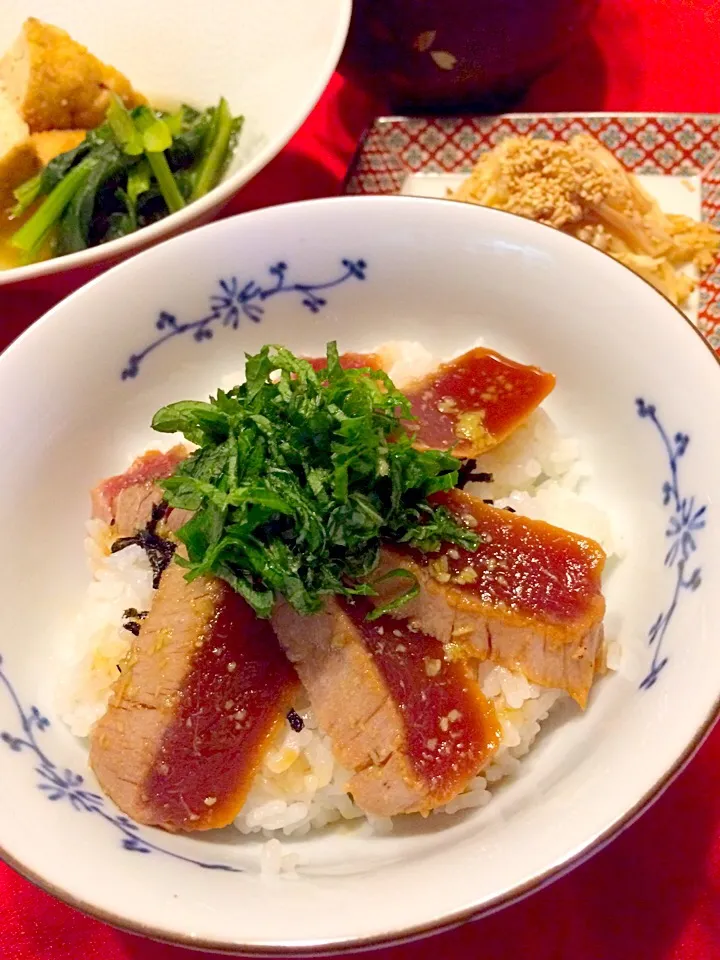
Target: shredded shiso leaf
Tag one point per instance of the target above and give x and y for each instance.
(298, 478)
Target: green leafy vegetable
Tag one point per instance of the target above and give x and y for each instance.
(108, 162)
(126, 133)
(156, 139)
(30, 237)
(26, 195)
(188, 145)
(136, 168)
(217, 150)
(299, 476)
(156, 136)
(139, 182)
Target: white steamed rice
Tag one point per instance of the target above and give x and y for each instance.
(300, 787)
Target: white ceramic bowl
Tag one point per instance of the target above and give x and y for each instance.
(271, 60)
(635, 384)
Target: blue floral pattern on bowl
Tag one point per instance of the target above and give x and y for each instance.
(235, 300)
(60, 784)
(686, 520)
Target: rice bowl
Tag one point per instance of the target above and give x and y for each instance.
(300, 785)
(337, 884)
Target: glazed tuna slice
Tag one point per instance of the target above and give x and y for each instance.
(469, 404)
(203, 688)
(126, 501)
(350, 361)
(472, 403)
(529, 599)
(199, 698)
(413, 727)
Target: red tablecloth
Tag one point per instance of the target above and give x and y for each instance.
(654, 892)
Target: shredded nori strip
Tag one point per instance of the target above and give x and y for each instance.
(159, 551)
(132, 614)
(295, 721)
(159, 512)
(468, 473)
(132, 618)
(491, 502)
(510, 509)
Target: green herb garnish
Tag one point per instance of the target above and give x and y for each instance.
(298, 478)
(401, 599)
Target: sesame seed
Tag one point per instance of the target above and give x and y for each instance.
(433, 666)
(551, 181)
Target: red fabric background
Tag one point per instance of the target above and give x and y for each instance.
(654, 893)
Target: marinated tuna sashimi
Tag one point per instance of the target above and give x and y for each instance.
(413, 727)
(529, 598)
(199, 699)
(472, 403)
(350, 361)
(312, 619)
(205, 684)
(469, 404)
(127, 500)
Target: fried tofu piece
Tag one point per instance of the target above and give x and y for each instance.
(18, 158)
(56, 83)
(51, 143)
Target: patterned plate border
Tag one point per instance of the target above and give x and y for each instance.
(672, 144)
